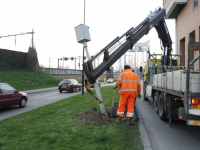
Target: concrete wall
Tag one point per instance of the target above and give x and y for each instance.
(10, 59)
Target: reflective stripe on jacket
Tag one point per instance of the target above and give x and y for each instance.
(129, 82)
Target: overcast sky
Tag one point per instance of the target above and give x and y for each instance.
(53, 22)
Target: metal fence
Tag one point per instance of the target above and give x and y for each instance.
(72, 73)
(55, 71)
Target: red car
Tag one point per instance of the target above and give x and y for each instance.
(9, 96)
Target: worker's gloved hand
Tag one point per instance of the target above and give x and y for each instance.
(139, 95)
(114, 87)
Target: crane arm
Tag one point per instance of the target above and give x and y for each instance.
(116, 48)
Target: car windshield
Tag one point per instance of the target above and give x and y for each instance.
(65, 82)
(5, 88)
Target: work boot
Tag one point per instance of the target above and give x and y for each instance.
(125, 119)
(119, 120)
(136, 119)
(129, 121)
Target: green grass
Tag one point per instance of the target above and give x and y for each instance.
(52, 127)
(28, 80)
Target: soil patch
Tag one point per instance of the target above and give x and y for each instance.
(95, 117)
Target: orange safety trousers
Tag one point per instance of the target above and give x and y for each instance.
(126, 98)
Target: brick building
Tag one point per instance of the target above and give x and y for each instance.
(187, 23)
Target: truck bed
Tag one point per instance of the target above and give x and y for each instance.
(176, 81)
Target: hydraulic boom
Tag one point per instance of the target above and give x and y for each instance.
(115, 49)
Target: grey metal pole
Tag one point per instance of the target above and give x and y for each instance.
(84, 11)
(75, 62)
(16, 34)
(79, 63)
(32, 38)
(83, 75)
(58, 63)
(20, 34)
(49, 61)
(83, 58)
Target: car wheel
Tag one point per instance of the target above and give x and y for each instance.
(22, 103)
(99, 85)
(60, 91)
(73, 89)
(80, 89)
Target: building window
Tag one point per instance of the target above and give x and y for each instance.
(195, 4)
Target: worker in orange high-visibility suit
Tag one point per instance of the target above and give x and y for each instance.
(129, 88)
(135, 107)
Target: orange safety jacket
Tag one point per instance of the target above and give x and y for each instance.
(129, 81)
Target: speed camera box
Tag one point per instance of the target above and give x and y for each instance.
(82, 33)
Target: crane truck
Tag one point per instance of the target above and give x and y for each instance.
(167, 102)
(174, 90)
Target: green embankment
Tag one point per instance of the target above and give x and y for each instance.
(28, 80)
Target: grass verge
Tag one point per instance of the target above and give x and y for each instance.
(52, 127)
(28, 80)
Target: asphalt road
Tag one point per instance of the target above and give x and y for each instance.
(38, 98)
(35, 100)
(162, 137)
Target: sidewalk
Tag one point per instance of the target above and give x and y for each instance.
(40, 90)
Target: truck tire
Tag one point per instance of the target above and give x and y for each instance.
(155, 101)
(144, 92)
(170, 110)
(145, 98)
(161, 111)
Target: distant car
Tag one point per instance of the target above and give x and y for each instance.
(69, 85)
(9, 96)
(110, 80)
(99, 83)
